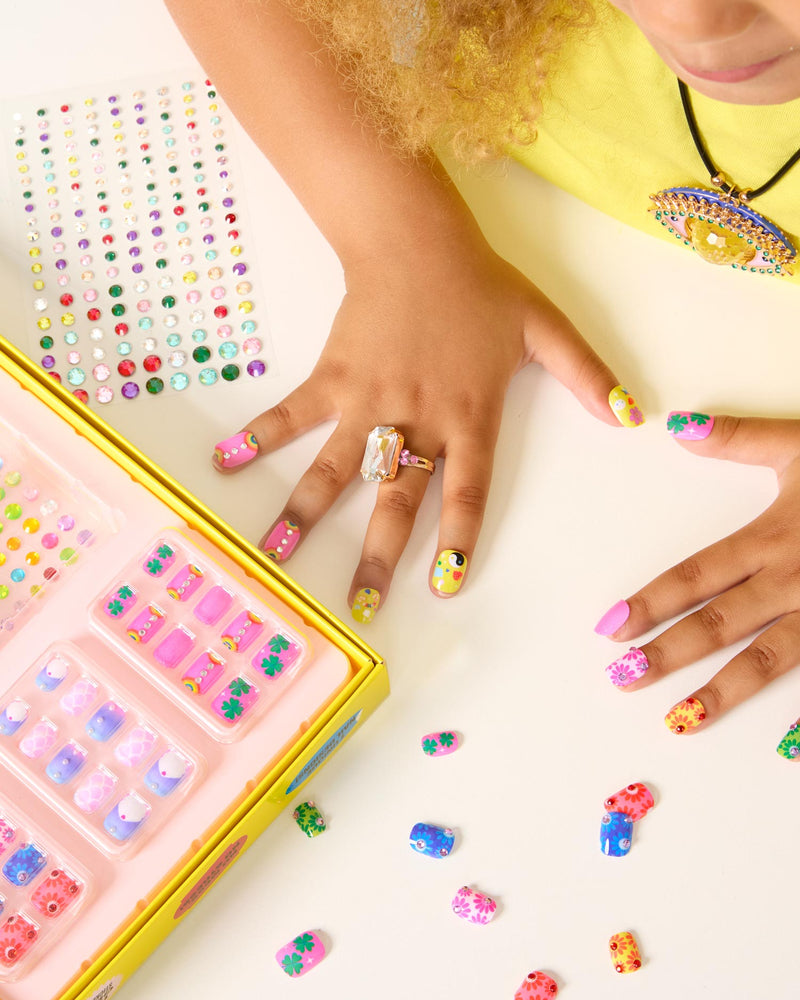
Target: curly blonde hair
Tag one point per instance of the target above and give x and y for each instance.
(466, 73)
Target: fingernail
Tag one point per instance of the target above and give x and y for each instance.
(435, 841)
(469, 904)
(689, 426)
(624, 952)
(537, 986)
(448, 573)
(300, 954)
(687, 714)
(213, 605)
(440, 744)
(627, 668)
(624, 407)
(236, 450)
(789, 746)
(613, 619)
(365, 604)
(282, 540)
(309, 819)
(172, 650)
(635, 799)
(616, 830)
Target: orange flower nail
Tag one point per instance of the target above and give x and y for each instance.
(624, 952)
(686, 715)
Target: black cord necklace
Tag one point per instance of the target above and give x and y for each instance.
(719, 224)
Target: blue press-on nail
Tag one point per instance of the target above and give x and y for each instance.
(24, 864)
(66, 763)
(126, 817)
(13, 715)
(168, 771)
(616, 830)
(435, 841)
(105, 721)
(51, 674)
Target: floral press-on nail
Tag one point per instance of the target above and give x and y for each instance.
(13, 715)
(66, 763)
(136, 747)
(166, 773)
(624, 952)
(689, 426)
(51, 674)
(435, 841)
(365, 604)
(440, 744)
(687, 714)
(105, 721)
(119, 601)
(95, 789)
(613, 619)
(236, 450)
(235, 700)
(7, 834)
(213, 605)
(628, 668)
(635, 799)
(57, 890)
(38, 740)
(172, 649)
(16, 937)
(276, 656)
(616, 830)
(145, 625)
(300, 954)
(624, 407)
(789, 746)
(24, 864)
(79, 697)
(185, 582)
(474, 906)
(448, 573)
(126, 817)
(282, 540)
(159, 560)
(537, 986)
(203, 672)
(309, 819)
(242, 631)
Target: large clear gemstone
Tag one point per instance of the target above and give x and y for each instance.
(381, 454)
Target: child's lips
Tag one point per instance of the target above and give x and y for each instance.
(736, 75)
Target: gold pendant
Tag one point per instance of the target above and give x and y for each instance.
(723, 230)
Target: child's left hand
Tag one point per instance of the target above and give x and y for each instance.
(748, 581)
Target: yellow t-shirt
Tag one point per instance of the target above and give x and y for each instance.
(613, 132)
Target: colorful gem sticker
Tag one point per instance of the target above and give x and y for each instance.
(301, 954)
(440, 744)
(624, 952)
(473, 906)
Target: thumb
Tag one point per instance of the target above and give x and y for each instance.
(749, 440)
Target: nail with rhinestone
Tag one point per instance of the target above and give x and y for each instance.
(146, 624)
(242, 631)
(624, 952)
(635, 799)
(537, 986)
(52, 673)
(204, 672)
(686, 715)
(628, 668)
(185, 582)
(309, 819)
(126, 817)
(616, 830)
(105, 721)
(474, 906)
(789, 746)
(282, 540)
(66, 763)
(13, 716)
(166, 773)
(433, 841)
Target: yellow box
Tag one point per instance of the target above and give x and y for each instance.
(339, 682)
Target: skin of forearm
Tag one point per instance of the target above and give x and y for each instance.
(366, 200)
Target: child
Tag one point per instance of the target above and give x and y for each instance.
(434, 324)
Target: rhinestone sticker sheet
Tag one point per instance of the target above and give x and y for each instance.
(138, 270)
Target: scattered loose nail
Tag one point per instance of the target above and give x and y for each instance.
(55, 893)
(789, 746)
(281, 541)
(126, 817)
(440, 744)
(301, 954)
(166, 773)
(474, 906)
(628, 668)
(213, 605)
(185, 582)
(613, 619)
(236, 450)
(624, 952)
(13, 716)
(435, 841)
(687, 714)
(66, 763)
(448, 573)
(635, 799)
(309, 819)
(365, 604)
(616, 830)
(689, 426)
(625, 407)
(537, 986)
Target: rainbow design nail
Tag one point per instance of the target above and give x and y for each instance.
(686, 715)
(628, 668)
(689, 426)
(448, 573)
(624, 952)
(365, 604)
(624, 407)
(236, 450)
(204, 672)
(242, 631)
(185, 583)
(282, 540)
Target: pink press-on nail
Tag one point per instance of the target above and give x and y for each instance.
(474, 906)
(172, 650)
(79, 697)
(613, 619)
(628, 668)
(159, 559)
(235, 700)
(440, 744)
(185, 582)
(282, 540)
(537, 986)
(242, 631)
(236, 450)
(96, 789)
(119, 601)
(213, 605)
(17, 935)
(204, 672)
(145, 625)
(300, 954)
(689, 426)
(136, 747)
(635, 799)
(39, 740)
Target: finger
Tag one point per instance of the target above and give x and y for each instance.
(748, 440)
(334, 467)
(773, 653)
(305, 407)
(388, 531)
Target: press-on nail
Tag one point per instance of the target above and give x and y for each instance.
(616, 830)
(301, 954)
(624, 952)
(628, 668)
(474, 906)
(236, 450)
(687, 714)
(624, 407)
(635, 799)
(435, 841)
(613, 619)
(689, 426)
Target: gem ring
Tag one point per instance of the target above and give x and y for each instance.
(385, 453)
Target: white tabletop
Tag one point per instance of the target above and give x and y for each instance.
(580, 515)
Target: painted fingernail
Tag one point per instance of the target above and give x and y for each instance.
(300, 954)
(537, 986)
(173, 648)
(689, 426)
(242, 631)
(635, 799)
(448, 573)
(365, 604)
(185, 582)
(309, 819)
(24, 864)
(624, 952)
(616, 830)
(624, 407)
(55, 893)
(66, 763)
(613, 619)
(474, 906)
(789, 746)
(687, 714)
(166, 773)
(282, 540)
(440, 744)
(126, 817)
(105, 721)
(627, 668)
(435, 841)
(236, 450)
(213, 605)
(204, 672)
(13, 715)
(235, 700)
